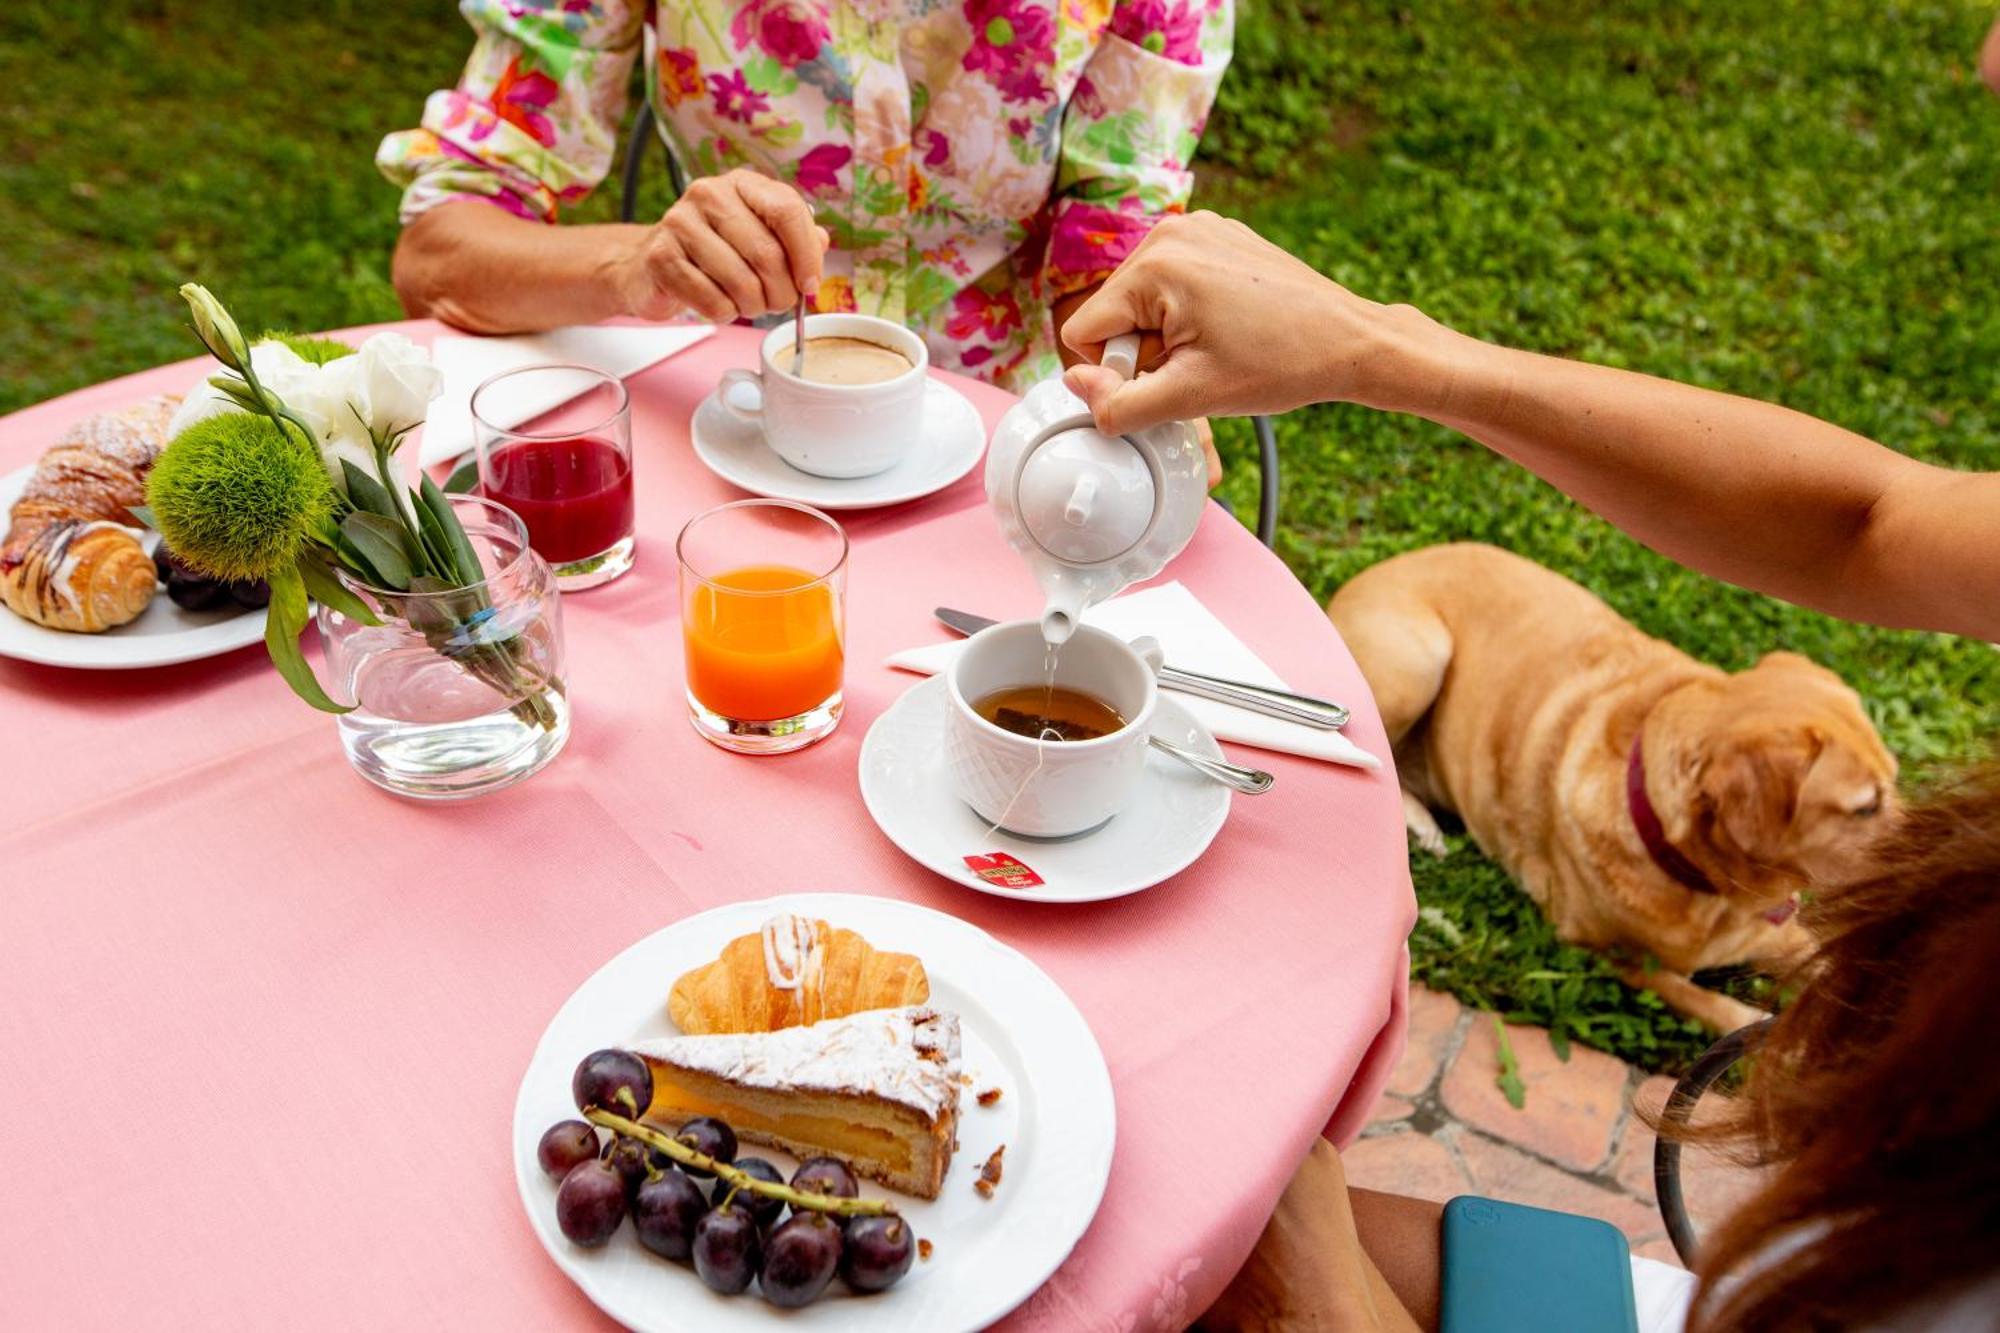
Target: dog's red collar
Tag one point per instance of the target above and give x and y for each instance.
(1647, 821)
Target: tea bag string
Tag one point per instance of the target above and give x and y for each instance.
(1042, 739)
(1051, 658)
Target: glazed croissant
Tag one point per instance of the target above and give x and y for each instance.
(69, 560)
(794, 971)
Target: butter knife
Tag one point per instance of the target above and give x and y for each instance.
(1301, 708)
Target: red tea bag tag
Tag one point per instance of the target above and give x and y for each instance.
(1000, 869)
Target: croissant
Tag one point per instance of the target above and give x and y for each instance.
(69, 561)
(792, 972)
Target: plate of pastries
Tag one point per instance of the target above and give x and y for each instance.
(83, 583)
(834, 1110)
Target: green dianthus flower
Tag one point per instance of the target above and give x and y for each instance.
(236, 498)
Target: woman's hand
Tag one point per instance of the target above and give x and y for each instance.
(732, 246)
(1245, 329)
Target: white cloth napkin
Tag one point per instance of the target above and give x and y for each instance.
(619, 350)
(1192, 638)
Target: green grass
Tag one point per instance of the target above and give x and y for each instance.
(1790, 199)
(1787, 200)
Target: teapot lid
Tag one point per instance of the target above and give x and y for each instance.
(1085, 497)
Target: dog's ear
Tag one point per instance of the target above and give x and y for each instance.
(1751, 786)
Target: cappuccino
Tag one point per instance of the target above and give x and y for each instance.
(836, 360)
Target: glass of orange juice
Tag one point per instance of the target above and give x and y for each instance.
(764, 622)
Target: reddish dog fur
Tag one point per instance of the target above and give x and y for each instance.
(1514, 698)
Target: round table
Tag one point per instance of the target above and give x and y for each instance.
(261, 1025)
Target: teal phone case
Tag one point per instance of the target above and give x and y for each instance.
(1513, 1269)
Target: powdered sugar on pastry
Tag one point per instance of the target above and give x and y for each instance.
(868, 1053)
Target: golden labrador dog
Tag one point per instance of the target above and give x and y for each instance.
(1655, 807)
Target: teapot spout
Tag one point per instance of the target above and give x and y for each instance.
(1060, 615)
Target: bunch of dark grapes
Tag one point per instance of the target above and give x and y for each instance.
(733, 1236)
(192, 590)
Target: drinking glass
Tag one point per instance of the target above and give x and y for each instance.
(763, 621)
(555, 446)
(456, 692)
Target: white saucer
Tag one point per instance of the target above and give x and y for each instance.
(162, 635)
(1173, 817)
(954, 440)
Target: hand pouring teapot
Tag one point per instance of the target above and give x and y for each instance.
(1092, 513)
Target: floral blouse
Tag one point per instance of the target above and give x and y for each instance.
(974, 159)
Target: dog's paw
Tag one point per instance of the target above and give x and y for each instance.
(1423, 826)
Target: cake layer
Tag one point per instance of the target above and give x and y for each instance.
(880, 1140)
(878, 1090)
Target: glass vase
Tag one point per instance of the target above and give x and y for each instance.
(457, 692)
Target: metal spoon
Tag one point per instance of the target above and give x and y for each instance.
(799, 340)
(1249, 781)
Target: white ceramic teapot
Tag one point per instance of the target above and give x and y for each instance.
(1092, 513)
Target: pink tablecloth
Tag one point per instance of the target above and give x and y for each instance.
(261, 1025)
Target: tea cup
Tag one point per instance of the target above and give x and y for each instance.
(1048, 788)
(833, 430)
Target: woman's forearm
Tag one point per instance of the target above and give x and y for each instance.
(1756, 494)
(480, 268)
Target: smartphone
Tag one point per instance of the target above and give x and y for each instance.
(1509, 1268)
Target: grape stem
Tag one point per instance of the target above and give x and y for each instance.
(686, 1156)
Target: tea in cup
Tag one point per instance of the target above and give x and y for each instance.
(1048, 755)
(856, 408)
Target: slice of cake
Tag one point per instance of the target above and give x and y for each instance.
(878, 1089)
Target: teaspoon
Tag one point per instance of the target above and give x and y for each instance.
(1249, 781)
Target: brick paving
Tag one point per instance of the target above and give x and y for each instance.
(1443, 1128)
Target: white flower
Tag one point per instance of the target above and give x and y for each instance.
(389, 382)
(280, 369)
(384, 388)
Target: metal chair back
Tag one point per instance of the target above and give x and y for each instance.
(1713, 1064)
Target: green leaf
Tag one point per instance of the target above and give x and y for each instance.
(144, 514)
(439, 614)
(436, 546)
(329, 591)
(1559, 1041)
(458, 546)
(289, 615)
(464, 477)
(357, 563)
(381, 541)
(368, 494)
(1509, 1078)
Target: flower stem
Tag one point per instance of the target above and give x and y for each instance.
(686, 1156)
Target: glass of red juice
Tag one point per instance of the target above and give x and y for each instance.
(555, 446)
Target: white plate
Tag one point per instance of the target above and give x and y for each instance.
(954, 440)
(1173, 817)
(161, 635)
(1021, 1034)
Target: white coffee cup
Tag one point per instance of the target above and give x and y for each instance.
(834, 430)
(1048, 789)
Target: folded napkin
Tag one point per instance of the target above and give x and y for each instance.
(1193, 639)
(619, 350)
